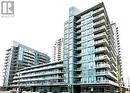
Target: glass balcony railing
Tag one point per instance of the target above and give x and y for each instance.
(113, 60)
(78, 48)
(38, 79)
(79, 36)
(44, 68)
(106, 81)
(38, 74)
(99, 16)
(78, 20)
(78, 69)
(78, 26)
(79, 75)
(98, 23)
(78, 62)
(101, 49)
(79, 42)
(102, 57)
(106, 73)
(102, 41)
(78, 31)
(80, 54)
(103, 66)
(99, 29)
(98, 10)
(101, 35)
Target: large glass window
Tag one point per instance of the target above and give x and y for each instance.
(89, 26)
(70, 67)
(88, 43)
(70, 30)
(71, 60)
(87, 15)
(71, 25)
(71, 53)
(87, 38)
(70, 46)
(71, 35)
(66, 31)
(71, 19)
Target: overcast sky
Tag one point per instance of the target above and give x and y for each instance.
(39, 23)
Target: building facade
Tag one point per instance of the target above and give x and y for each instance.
(91, 51)
(87, 60)
(19, 57)
(58, 50)
(47, 77)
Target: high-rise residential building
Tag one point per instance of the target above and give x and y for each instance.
(92, 61)
(118, 52)
(18, 57)
(58, 50)
(87, 60)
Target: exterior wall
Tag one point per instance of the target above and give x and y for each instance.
(90, 55)
(18, 57)
(40, 75)
(58, 50)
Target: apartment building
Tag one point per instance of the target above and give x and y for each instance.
(19, 56)
(58, 50)
(47, 77)
(87, 60)
(91, 51)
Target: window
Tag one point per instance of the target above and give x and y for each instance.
(71, 53)
(70, 30)
(71, 25)
(71, 60)
(71, 19)
(71, 35)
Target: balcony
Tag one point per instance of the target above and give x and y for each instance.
(113, 60)
(100, 35)
(101, 42)
(106, 82)
(78, 37)
(78, 20)
(38, 79)
(78, 69)
(79, 42)
(43, 68)
(102, 57)
(106, 73)
(102, 49)
(39, 74)
(100, 29)
(78, 31)
(107, 66)
(114, 67)
(7, 53)
(98, 11)
(99, 23)
(99, 17)
(79, 48)
(6, 62)
(78, 76)
(79, 62)
(78, 26)
(114, 72)
(79, 55)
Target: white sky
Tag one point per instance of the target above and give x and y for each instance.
(39, 23)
